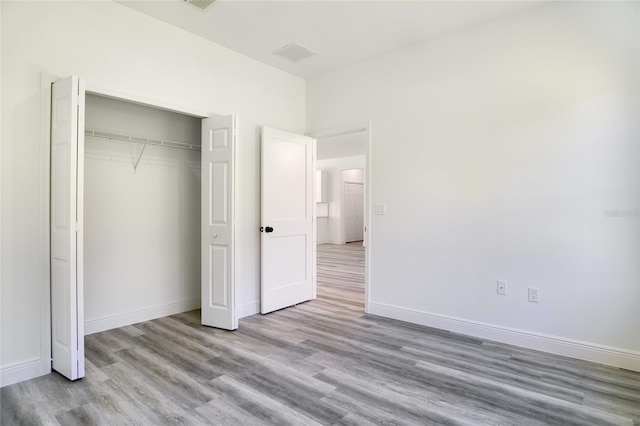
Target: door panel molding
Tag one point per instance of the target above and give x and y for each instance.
(218, 222)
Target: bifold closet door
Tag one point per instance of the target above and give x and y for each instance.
(218, 239)
(67, 176)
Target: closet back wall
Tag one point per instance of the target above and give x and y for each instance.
(142, 228)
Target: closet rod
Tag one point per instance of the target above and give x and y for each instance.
(138, 139)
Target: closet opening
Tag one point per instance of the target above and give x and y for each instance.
(142, 216)
(142, 204)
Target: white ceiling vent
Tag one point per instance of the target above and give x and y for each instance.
(294, 52)
(200, 4)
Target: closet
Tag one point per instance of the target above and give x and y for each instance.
(142, 182)
(142, 210)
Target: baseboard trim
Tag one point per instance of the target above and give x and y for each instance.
(121, 320)
(615, 357)
(248, 309)
(24, 370)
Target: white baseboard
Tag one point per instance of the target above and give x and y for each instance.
(248, 309)
(24, 370)
(115, 321)
(616, 357)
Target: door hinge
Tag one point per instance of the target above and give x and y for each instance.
(77, 227)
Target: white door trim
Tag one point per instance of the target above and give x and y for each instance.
(365, 128)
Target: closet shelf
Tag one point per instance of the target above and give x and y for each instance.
(138, 139)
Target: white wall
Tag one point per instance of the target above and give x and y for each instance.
(114, 49)
(330, 230)
(498, 151)
(142, 227)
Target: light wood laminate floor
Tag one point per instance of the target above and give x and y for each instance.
(322, 362)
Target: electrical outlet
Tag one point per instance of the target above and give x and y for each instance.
(501, 287)
(534, 294)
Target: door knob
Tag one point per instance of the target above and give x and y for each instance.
(268, 229)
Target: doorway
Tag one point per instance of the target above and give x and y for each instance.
(342, 208)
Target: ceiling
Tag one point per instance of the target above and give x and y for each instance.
(341, 32)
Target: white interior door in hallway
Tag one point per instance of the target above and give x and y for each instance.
(353, 211)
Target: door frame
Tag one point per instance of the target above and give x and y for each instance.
(42, 366)
(365, 129)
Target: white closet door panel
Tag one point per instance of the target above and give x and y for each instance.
(218, 239)
(67, 160)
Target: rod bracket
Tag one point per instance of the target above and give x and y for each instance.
(135, 166)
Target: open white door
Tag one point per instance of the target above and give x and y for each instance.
(218, 169)
(67, 177)
(287, 237)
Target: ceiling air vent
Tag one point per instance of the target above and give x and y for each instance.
(200, 4)
(294, 52)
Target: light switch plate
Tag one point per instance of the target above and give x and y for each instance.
(501, 287)
(381, 209)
